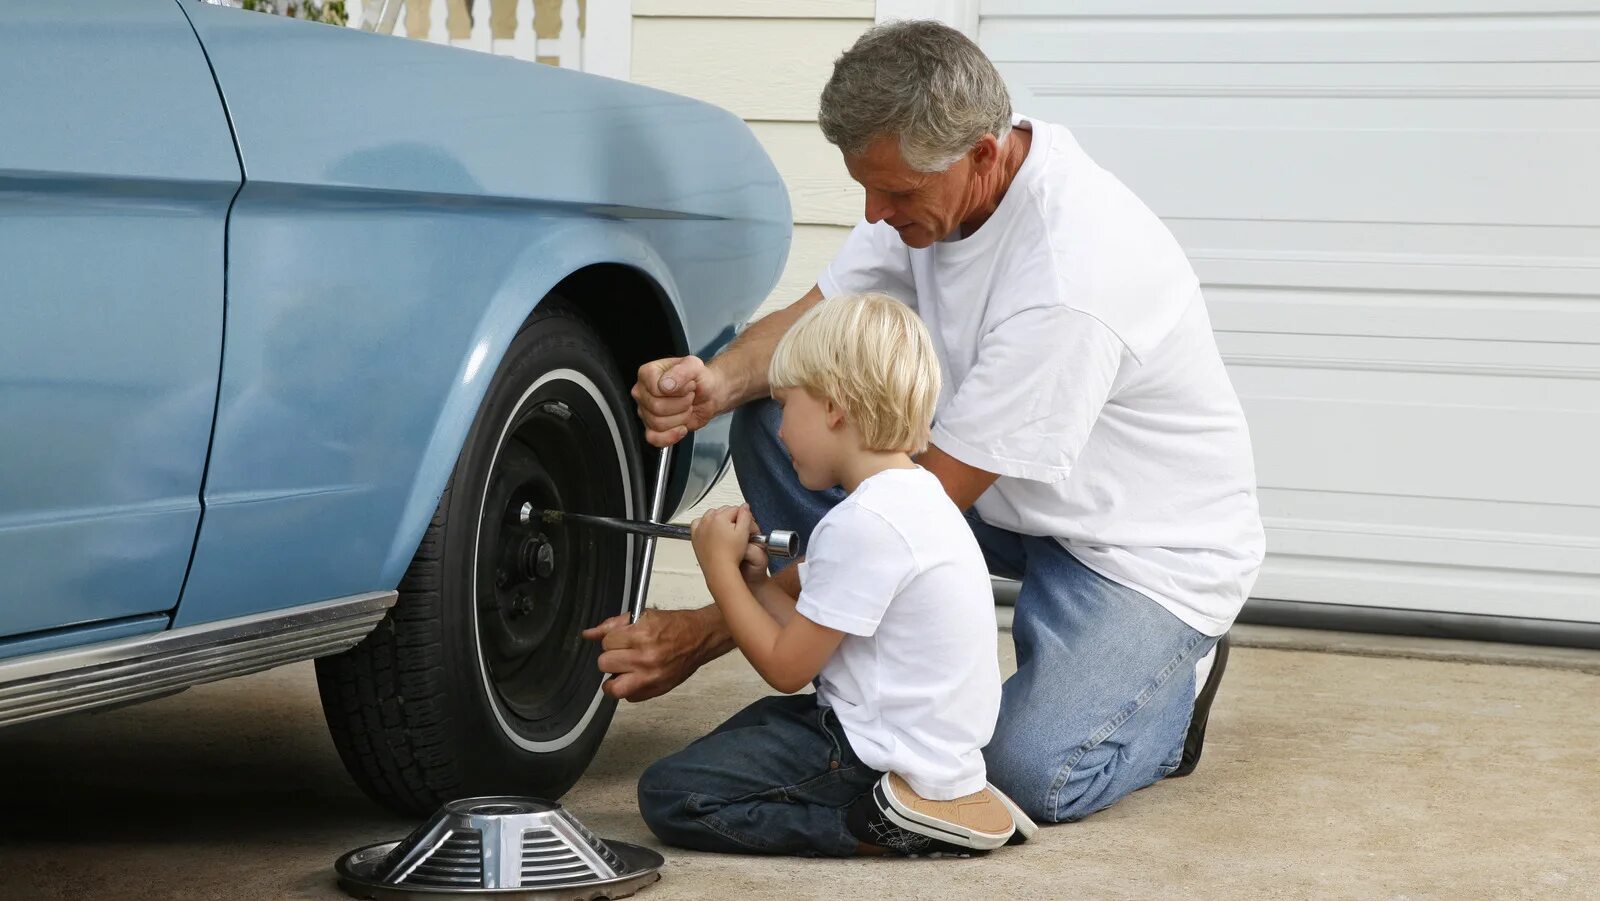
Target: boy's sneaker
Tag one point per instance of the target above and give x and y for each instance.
(894, 817)
(1194, 742)
(1026, 827)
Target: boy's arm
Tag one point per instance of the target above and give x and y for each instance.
(788, 653)
(787, 649)
(774, 599)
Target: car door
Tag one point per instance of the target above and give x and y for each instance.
(116, 171)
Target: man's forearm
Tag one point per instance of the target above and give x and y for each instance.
(716, 639)
(743, 364)
(788, 579)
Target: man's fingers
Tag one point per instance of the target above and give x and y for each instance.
(667, 438)
(680, 377)
(602, 629)
(658, 405)
(624, 660)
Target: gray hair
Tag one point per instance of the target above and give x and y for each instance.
(922, 81)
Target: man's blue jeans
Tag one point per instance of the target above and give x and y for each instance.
(1104, 687)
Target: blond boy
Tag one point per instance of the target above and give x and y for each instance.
(894, 624)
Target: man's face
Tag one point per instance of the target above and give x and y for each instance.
(922, 206)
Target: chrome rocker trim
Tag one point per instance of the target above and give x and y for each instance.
(144, 666)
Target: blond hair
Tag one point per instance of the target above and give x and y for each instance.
(872, 356)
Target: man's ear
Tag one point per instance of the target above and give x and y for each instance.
(985, 155)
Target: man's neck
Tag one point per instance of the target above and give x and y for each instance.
(991, 189)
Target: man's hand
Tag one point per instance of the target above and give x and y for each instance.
(722, 539)
(676, 396)
(654, 655)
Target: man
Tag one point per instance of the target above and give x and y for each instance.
(1087, 426)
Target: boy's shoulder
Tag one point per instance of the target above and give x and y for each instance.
(909, 503)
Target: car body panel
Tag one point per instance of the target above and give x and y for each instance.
(116, 172)
(381, 262)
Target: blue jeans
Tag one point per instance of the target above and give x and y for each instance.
(774, 779)
(1104, 688)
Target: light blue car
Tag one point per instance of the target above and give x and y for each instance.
(294, 320)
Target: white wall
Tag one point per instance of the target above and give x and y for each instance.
(767, 61)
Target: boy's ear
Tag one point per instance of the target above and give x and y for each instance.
(833, 412)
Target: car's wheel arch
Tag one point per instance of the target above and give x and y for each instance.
(618, 286)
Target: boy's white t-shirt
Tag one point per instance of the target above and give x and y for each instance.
(1080, 366)
(916, 681)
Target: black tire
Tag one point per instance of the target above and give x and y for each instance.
(477, 682)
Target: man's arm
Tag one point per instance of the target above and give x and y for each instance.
(654, 655)
(965, 484)
(741, 368)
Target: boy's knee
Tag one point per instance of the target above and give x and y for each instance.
(664, 806)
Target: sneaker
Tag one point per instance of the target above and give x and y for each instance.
(977, 822)
(1194, 742)
(1025, 826)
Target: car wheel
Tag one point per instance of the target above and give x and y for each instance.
(478, 682)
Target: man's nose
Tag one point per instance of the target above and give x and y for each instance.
(878, 207)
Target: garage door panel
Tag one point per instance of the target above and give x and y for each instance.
(1492, 373)
(1467, 531)
(1487, 317)
(1419, 586)
(1100, 9)
(1316, 33)
(1351, 174)
(1418, 447)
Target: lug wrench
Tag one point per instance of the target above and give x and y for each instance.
(779, 542)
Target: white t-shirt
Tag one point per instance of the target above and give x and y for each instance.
(916, 681)
(1080, 366)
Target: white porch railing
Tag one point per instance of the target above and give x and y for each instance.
(591, 35)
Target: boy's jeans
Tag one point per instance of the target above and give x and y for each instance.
(774, 779)
(1104, 687)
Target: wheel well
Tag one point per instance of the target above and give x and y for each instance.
(628, 310)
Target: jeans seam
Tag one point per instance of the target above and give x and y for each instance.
(1110, 727)
(715, 825)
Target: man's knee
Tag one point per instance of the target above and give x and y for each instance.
(754, 429)
(1061, 784)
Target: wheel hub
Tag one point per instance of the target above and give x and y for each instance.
(536, 559)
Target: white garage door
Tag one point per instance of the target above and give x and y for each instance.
(1395, 208)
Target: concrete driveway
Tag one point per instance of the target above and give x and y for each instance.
(1326, 775)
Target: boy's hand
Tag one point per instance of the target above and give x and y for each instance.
(721, 538)
(754, 565)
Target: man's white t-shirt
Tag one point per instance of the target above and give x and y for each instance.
(916, 681)
(1080, 367)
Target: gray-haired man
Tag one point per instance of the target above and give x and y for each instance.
(1087, 425)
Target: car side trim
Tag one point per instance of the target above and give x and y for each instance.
(146, 666)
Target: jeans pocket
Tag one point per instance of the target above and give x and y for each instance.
(837, 752)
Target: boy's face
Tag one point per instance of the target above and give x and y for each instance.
(812, 430)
